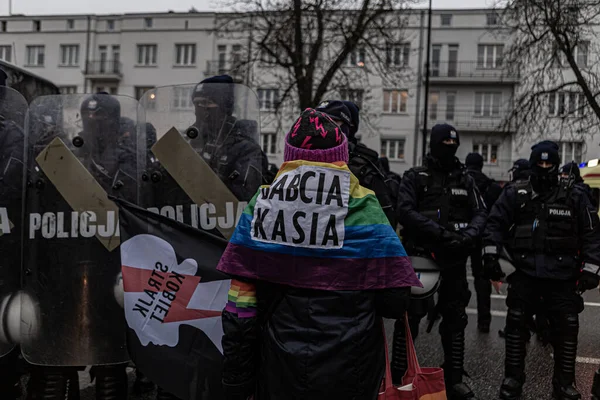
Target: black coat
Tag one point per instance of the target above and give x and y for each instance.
(315, 345)
(488, 188)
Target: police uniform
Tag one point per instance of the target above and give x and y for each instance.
(551, 233)
(490, 191)
(442, 214)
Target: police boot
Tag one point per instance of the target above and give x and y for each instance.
(483, 289)
(399, 363)
(454, 353)
(596, 386)
(142, 384)
(161, 394)
(111, 382)
(514, 363)
(565, 354)
(53, 383)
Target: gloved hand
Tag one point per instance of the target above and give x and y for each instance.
(587, 281)
(491, 267)
(455, 241)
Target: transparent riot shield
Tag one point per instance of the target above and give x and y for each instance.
(77, 155)
(204, 163)
(13, 110)
(203, 153)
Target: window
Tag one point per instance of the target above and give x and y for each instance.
(68, 89)
(146, 54)
(69, 55)
(570, 151)
(182, 98)
(70, 24)
(446, 19)
(394, 101)
(489, 152)
(353, 95)
(453, 60)
(148, 22)
(4, 26)
(450, 105)
(35, 56)
(185, 54)
(150, 104)
(393, 149)
(236, 56)
(268, 99)
(398, 54)
(436, 53)
(37, 25)
(268, 142)
(562, 104)
(487, 104)
(489, 55)
(186, 25)
(110, 24)
(434, 98)
(492, 19)
(6, 53)
(356, 58)
(581, 54)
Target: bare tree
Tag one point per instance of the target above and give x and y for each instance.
(312, 48)
(554, 46)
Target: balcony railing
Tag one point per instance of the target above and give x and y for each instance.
(476, 70)
(238, 70)
(104, 68)
(469, 120)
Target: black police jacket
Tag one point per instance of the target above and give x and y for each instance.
(432, 200)
(488, 188)
(552, 235)
(363, 162)
(309, 344)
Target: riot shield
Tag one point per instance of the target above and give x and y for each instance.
(204, 157)
(204, 163)
(13, 110)
(77, 155)
(429, 274)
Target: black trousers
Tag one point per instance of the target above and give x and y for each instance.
(561, 303)
(483, 289)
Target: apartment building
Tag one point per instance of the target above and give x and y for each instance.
(129, 54)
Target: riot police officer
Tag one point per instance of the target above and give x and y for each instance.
(571, 175)
(490, 191)
(12, 117)
(520, 170)
(551, 233)
(442, 214)
(363, 162)
(225, 142)
(79, 270)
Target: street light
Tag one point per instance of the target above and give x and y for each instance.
(427, 73)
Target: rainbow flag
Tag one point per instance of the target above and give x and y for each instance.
(316, 227)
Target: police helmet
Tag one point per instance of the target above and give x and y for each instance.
(428, 273)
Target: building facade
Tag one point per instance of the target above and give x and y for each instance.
(129, 54)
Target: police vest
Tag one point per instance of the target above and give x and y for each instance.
(544, 226)
(444, 198)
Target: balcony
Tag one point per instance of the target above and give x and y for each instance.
(469, 121)
(472, 72)
(107, 70)
(236, 69)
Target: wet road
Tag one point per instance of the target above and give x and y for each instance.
(485, 354)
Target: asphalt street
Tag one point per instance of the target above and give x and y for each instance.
(485, 354)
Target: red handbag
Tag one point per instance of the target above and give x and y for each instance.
(418, 383)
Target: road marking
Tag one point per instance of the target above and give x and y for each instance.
(495, 313)
(584, 360)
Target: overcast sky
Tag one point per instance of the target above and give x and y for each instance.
(33, 7)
